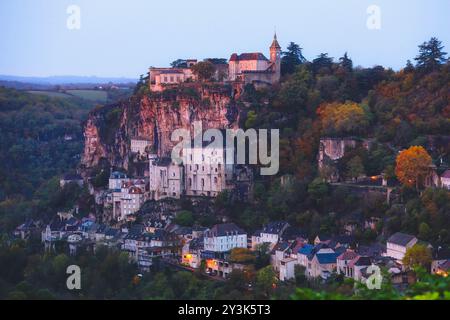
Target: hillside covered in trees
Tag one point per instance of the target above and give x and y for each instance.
(400, 110)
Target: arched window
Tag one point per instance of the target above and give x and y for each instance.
(190, 182)
(203, 183)
(215, 180)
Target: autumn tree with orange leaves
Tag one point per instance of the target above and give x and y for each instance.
(412, 166)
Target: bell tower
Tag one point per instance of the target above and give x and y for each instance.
(275, 58)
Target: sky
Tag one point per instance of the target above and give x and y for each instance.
(122, 38)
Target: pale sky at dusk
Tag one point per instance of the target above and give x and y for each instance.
(125, 37)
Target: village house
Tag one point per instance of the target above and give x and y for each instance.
(270, 234)
(160, 78)
(441, 261)
(27, 229)
(398, 244)
(224, 237)
(352, 265)
(127, 198)
(322, 263)
(303, 253)
(132, 198)
(191, 253)
(116, 179)
(287, 269)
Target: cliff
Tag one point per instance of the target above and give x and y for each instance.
(108, 129)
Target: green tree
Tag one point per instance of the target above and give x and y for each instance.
(355, 168)
(346, 63)
(204, 70)
(417, 256)
(266, 280)
(291, 58)
(184, 218)
(318, 189)
(431, 55)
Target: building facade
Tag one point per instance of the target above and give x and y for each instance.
(225, 237)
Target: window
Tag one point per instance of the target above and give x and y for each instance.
(203, 183)
(215, 180)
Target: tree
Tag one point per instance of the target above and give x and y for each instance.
(409, 67)
(204, 70)
(343, 119)
(417, 256)
(424, 231)
(322, 63)
(179, 63)
(242, 255)
(346, 63)
(184, 218)
(293, 94)
(266, 280)
(318, 189)
(431, 55)
(412, 166)
(291, 58)
(355, 168)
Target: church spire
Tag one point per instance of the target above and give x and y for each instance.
(275, 43)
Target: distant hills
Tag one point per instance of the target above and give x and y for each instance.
(56, 80)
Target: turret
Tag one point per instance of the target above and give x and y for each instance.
(275, 58)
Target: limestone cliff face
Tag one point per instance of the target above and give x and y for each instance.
(109, 129)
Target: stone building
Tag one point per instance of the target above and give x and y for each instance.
(139, 145)
(333, 149)
(165, 178)
(161, 77)
(255, 68)
(245, 68)
(206, 173)
(202, 173)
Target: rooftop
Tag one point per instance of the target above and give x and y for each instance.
(248, 56)
(401, 239)
(225, 229)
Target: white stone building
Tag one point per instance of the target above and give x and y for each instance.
(206, 173)
(397, 245)
(287, 269)
(224, 237)
(166, 179)
(271, 233)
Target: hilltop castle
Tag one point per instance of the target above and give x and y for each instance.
(244, 68)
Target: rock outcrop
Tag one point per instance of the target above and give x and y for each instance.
(109, 129)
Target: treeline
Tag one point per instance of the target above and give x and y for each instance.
(40, 139)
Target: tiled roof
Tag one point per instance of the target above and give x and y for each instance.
(306, 250)
(274, 227)
(225, 229)
(348, 255)
(400, 238)
(326, 258)
(248, 56)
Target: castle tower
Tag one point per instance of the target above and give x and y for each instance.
(275, 58)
